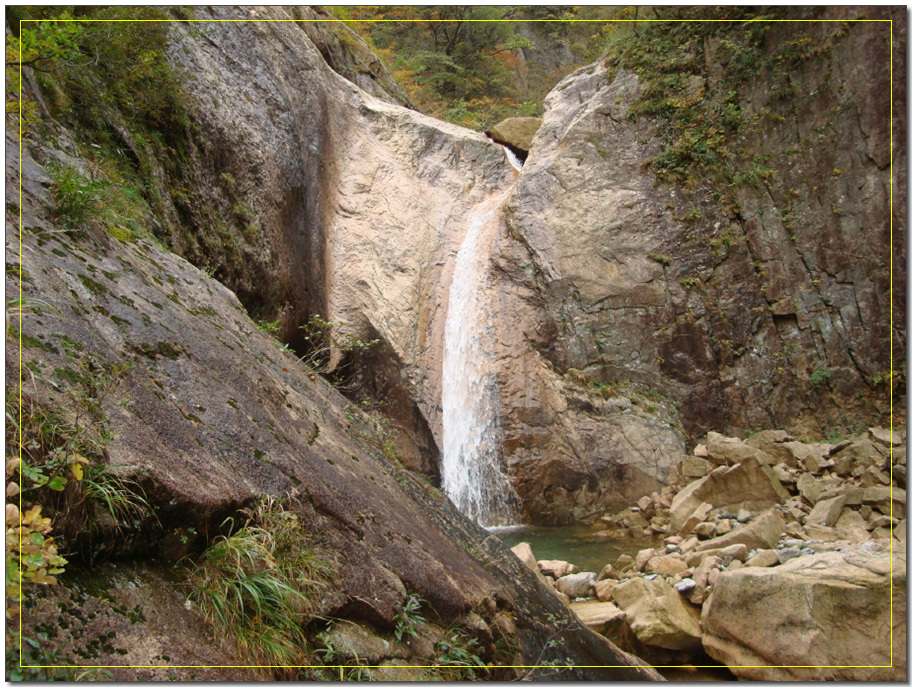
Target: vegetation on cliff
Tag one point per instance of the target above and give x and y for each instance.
(474, 66)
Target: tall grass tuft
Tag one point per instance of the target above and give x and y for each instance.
(259, 585)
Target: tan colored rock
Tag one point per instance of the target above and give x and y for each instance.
(888, 500)
(695, 519)
(784, 474)
(657, 614)
(886, 436)
(735, 551)
(853, 495)
(694, 467)
(623, 562)
(704, 530)
(689, 544)
(874, 477)
(764, 558)
(821, 533)
(863, 453)
(812, 457)
(809, 487)
(850, 518)
(760, 533)
(723, 450)
(770, 441)
(701, 577)
(517, 132)
(826, 512)
(603, 589)
(751, 484)
(666, 566)
(639, 563)
(723, 526)
(798, 616)
(523, 552)
(596, 615)
(557, 569)
(608, 573)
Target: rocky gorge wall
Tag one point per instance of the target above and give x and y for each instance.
(631, 315)
(203, 413)
(740, 305)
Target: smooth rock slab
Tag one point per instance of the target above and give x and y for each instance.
(830, 610)
(597, 614)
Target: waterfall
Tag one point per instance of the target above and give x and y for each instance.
(471, 470)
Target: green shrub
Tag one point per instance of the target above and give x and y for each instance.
(819, 376)
(259, 585)
(408, 618)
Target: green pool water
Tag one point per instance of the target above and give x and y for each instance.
(577, 544)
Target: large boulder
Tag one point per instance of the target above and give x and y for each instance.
(750, 484)
(516, 132)
(838, 613)
(657, 614)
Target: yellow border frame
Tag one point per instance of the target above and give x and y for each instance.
(890, 21)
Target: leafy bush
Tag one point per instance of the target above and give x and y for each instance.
(76, 198)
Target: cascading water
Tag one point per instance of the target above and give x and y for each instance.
(472, 474)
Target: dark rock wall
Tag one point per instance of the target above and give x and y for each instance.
(772, 310)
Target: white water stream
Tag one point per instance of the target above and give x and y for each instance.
(472, 472)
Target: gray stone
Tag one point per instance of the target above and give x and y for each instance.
(788, 554)
(685, 586)
(576, 585)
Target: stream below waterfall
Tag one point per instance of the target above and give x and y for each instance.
(581, 545)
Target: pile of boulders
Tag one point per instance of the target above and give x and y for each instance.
(793, 536)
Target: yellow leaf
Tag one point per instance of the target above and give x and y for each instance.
(76, 469)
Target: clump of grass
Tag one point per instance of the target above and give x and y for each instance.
(259, 584)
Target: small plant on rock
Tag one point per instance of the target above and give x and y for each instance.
(408, 618)
(259, 584)
(457, 654)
